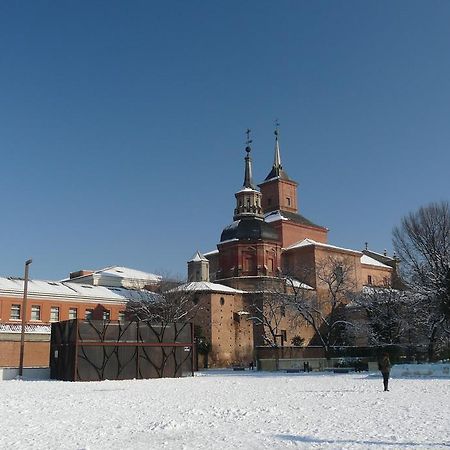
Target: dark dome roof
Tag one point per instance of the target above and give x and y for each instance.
(251, 228)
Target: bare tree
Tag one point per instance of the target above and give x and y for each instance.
(170, 303)
(324, 308)
(388, 315)
(268, 309)
(422, 242)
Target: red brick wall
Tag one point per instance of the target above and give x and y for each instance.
(275, 195)
(64, 306)
(36, 354)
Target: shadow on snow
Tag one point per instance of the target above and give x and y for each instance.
(397, 444)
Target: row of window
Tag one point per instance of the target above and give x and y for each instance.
(55, 314)
(370, 280)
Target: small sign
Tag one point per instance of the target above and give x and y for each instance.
(187, 349)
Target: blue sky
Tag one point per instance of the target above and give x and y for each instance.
(122, 123)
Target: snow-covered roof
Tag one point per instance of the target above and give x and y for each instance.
(246, 189)
(197, 257)
(274, 216)
(382, 255)
(202, 286)
(373, 262)
(74, 291)
(120, 272)
(212, 252)
(306, 242)
(126, 272)
(298, 284)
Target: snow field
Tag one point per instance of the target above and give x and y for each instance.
(225, 410)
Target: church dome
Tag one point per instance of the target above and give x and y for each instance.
(249, 228)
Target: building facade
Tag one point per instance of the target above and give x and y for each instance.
(268, 246)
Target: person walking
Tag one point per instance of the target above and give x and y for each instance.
(385, 368)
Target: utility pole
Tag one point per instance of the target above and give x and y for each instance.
(24, 315)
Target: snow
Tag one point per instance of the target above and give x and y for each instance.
(29, 328)
(197, 257)
(274, 216)
(373, 262)
(246, 189)
(73, 291)
(306, 242)
(207, 286)
(227, 410)
(126, 272)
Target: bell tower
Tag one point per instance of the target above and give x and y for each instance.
(279, 192)
(280, 205)
(248, 199)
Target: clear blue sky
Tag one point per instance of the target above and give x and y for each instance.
(122, 123)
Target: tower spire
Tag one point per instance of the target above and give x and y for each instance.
(248, 199)
(277, 157)
(248, 176)
(277, 169)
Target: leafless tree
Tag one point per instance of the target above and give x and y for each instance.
(324, 308)
(387, 317)
(268, 308)
(170, 303)
(422, 242)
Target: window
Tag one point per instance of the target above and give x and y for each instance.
(339, 273)
(73, 313)
(15, 312)
(283, 310)
(35, 312)
(269, 201)
(106, 314)
(121, 316)
(195, 300)
(88, 314)
(222, 301)
(283, 336)
(369, 279)
(54, 314)
(288, 200)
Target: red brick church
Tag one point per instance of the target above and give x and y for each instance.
(267, 238)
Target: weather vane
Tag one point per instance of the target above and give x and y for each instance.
(248, 141)
(277, 124)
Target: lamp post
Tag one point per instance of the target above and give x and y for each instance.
(24, 315)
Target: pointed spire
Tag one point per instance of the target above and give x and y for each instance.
(248, 176)
(277, 157)
(277, 169)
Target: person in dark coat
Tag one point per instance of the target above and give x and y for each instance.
(385, 368)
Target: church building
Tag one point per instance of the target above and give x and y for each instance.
(267, 239)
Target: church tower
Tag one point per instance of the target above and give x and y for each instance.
(280, 205)
(278, 190)
(198, 268)
(249, 246)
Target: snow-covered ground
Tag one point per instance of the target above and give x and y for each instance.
(225, 410)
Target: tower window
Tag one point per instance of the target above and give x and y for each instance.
(222, 301)
(288, 199)
(369, 279)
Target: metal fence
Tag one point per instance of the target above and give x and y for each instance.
(92, 350)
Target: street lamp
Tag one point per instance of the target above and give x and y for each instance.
(24, 315)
